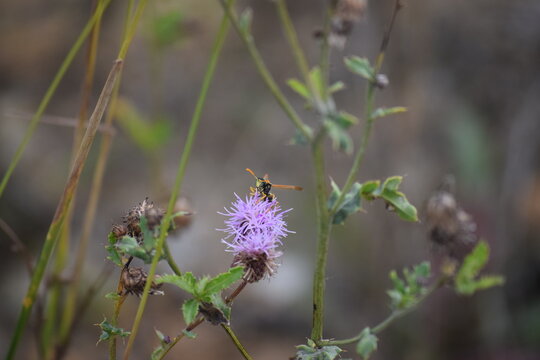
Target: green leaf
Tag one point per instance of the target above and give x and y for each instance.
(367, 344)
(149, 240)
(311, 352)
(299, 138)
(186, 281)
(345, 120)
(129, 246)
(466, 282)
(189, 334)
(341, 140)
(351, 204)
(382, 112)
(406, 293)
(369, 187)
(190, 309)
(113, 295)
(298, 87)
(337, 86)
(108, 331)
(397, 199)
(223, 280)
(163, 342)
(114, 256)
(166, 28)
(245, 20)
(218, 302)
(360, 66)
(422, 270)
(147, 135)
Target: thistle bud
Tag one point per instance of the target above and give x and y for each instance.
(133, 281)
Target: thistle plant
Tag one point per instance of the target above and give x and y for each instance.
(255, 224)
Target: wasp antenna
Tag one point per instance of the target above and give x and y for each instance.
(251, 172)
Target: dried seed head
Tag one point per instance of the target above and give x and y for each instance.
(133, 281)
(347, 13)
(119, 231)
(132, 220)
(451, 228)
(256, 266)
(212, 314)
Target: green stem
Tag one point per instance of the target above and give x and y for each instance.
(323, 235)
(394, 315)
(248, 41)
(170, 260)
(236, 342)
(298, 53)
(50, 92)
(195, 120)
(359, 157)
(62, 208)
(114, 322)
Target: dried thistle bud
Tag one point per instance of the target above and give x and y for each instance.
(451, 228)
(346, 14)
(119, 231)
(133, 281)
(212, 314)
(132, 220)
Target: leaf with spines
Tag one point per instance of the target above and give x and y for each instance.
(367, 344)
(312, 352)
(467, 281)
(190, 309)
(360, 66)
(129, 246)
(407, 291)
(397, 200)
(108, 331)
(149, 239)
(222, 281)
(114, 256)
(382, 112)
(186, 281)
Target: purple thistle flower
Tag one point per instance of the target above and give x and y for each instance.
(255, 228)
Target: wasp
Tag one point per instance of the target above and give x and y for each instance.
(263, 187)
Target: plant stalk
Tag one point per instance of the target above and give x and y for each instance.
(195, 120)
(236, 342)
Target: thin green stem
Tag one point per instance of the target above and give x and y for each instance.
(248, 41)
(112, 343)
(195, 120)
(50, 92)
(236, 342)
(91, 207)
(323, 235)
(170, 260)
(298, 53)
(394, 315)
(62, 208)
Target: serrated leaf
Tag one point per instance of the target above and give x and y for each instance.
(108, 331)
(398, 200)
(466, 282)
(185, 281)
(351, 204)
(190, 309)
(360, 66)
(345, 120)
(367, 344)
(245, 19)
(306, 352)
(299, 87)
(382, 112)
(149, 240)
(341, 140)
(223, 281)
(113, 255)
(337, 86)
(113, 295)
(129, 246)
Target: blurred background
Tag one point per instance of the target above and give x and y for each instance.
(469, 73)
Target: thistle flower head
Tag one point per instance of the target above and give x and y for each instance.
(255, 229)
